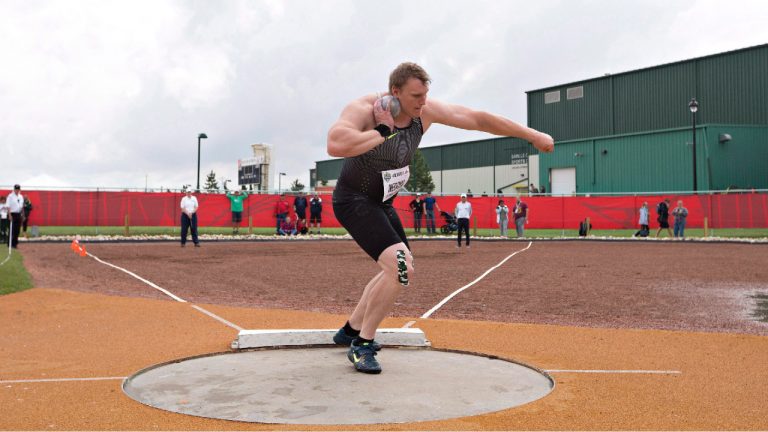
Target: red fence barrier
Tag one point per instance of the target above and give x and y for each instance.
(72, 208)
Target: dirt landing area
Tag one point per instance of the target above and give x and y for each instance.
(652, 285)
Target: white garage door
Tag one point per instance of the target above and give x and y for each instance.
(563, 181)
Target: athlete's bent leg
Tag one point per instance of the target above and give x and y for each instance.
(397, 268)
(356, 319)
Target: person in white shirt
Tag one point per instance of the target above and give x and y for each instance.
(5, 222)
(15, 204)
(502, 217)
(189, 219)
(463, 212)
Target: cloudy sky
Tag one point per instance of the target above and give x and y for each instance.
(113, 94)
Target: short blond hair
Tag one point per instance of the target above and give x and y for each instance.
(404, 71)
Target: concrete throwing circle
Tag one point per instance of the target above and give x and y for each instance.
(320, 386)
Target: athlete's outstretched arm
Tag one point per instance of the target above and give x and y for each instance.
(466, 118)
(353, 133)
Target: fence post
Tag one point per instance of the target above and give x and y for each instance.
(706, 227)
(589, 226)
(127, 225)
(250, 224)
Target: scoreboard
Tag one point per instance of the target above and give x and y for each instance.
(249, 171)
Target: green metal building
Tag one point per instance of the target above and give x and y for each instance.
(625, 133)
(633, 132)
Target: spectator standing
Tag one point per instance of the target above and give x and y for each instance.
(680, 214)
(502, 217)
(430, 205)
(236, 199)
(521, 216)
(281, 212)
(287, 227)
(462, 213)
(5, 222)
(644, 228)
(315, 212)
(533, 189)
(662, 210)
(417, 207)
(300, 207)
(585, 227)
(15, 204)
(189, 219)
(27, 211)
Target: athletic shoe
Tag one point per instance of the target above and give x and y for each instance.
(341, 338)
(364, 358)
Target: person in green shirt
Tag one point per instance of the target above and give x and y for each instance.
(236, 199)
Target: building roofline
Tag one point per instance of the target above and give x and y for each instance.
(609, 75)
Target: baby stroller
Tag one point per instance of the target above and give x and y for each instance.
(450, 223)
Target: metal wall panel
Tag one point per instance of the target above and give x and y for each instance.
(468, 155)
(329, 169)
(433, 156)
(648, 162)
(742, 162)
(568, 119)
(662, 161)
(731, 87)
(734, 88)
(654, 99)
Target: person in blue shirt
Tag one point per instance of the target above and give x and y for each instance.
(300, 207)
(430, 205)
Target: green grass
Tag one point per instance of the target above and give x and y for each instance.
(13, 275)
(536, 233)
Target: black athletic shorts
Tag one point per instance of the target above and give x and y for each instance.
(315, 218)
(237, 216)
(375, 226)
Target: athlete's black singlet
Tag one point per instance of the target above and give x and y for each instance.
(363, 173)
(360, 202)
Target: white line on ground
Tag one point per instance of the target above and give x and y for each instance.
(455, 293)
(409, 324)
(163, 290)
(166, 292)
(218, 318)
(59, 380)
(618, 371)
(9, 244)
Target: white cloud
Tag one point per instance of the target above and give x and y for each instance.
(113, 94)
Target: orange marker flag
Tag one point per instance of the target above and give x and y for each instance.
(77, 247)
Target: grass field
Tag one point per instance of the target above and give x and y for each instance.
(534, 233)
(13, 275)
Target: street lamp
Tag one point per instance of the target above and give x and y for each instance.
(279, 183)
(694, 106)
(202, 136)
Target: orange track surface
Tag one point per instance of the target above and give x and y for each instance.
(50, 334)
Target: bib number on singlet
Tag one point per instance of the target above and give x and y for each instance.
(394, 180)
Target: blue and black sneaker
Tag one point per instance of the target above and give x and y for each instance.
(341, 338)
(363, 357)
